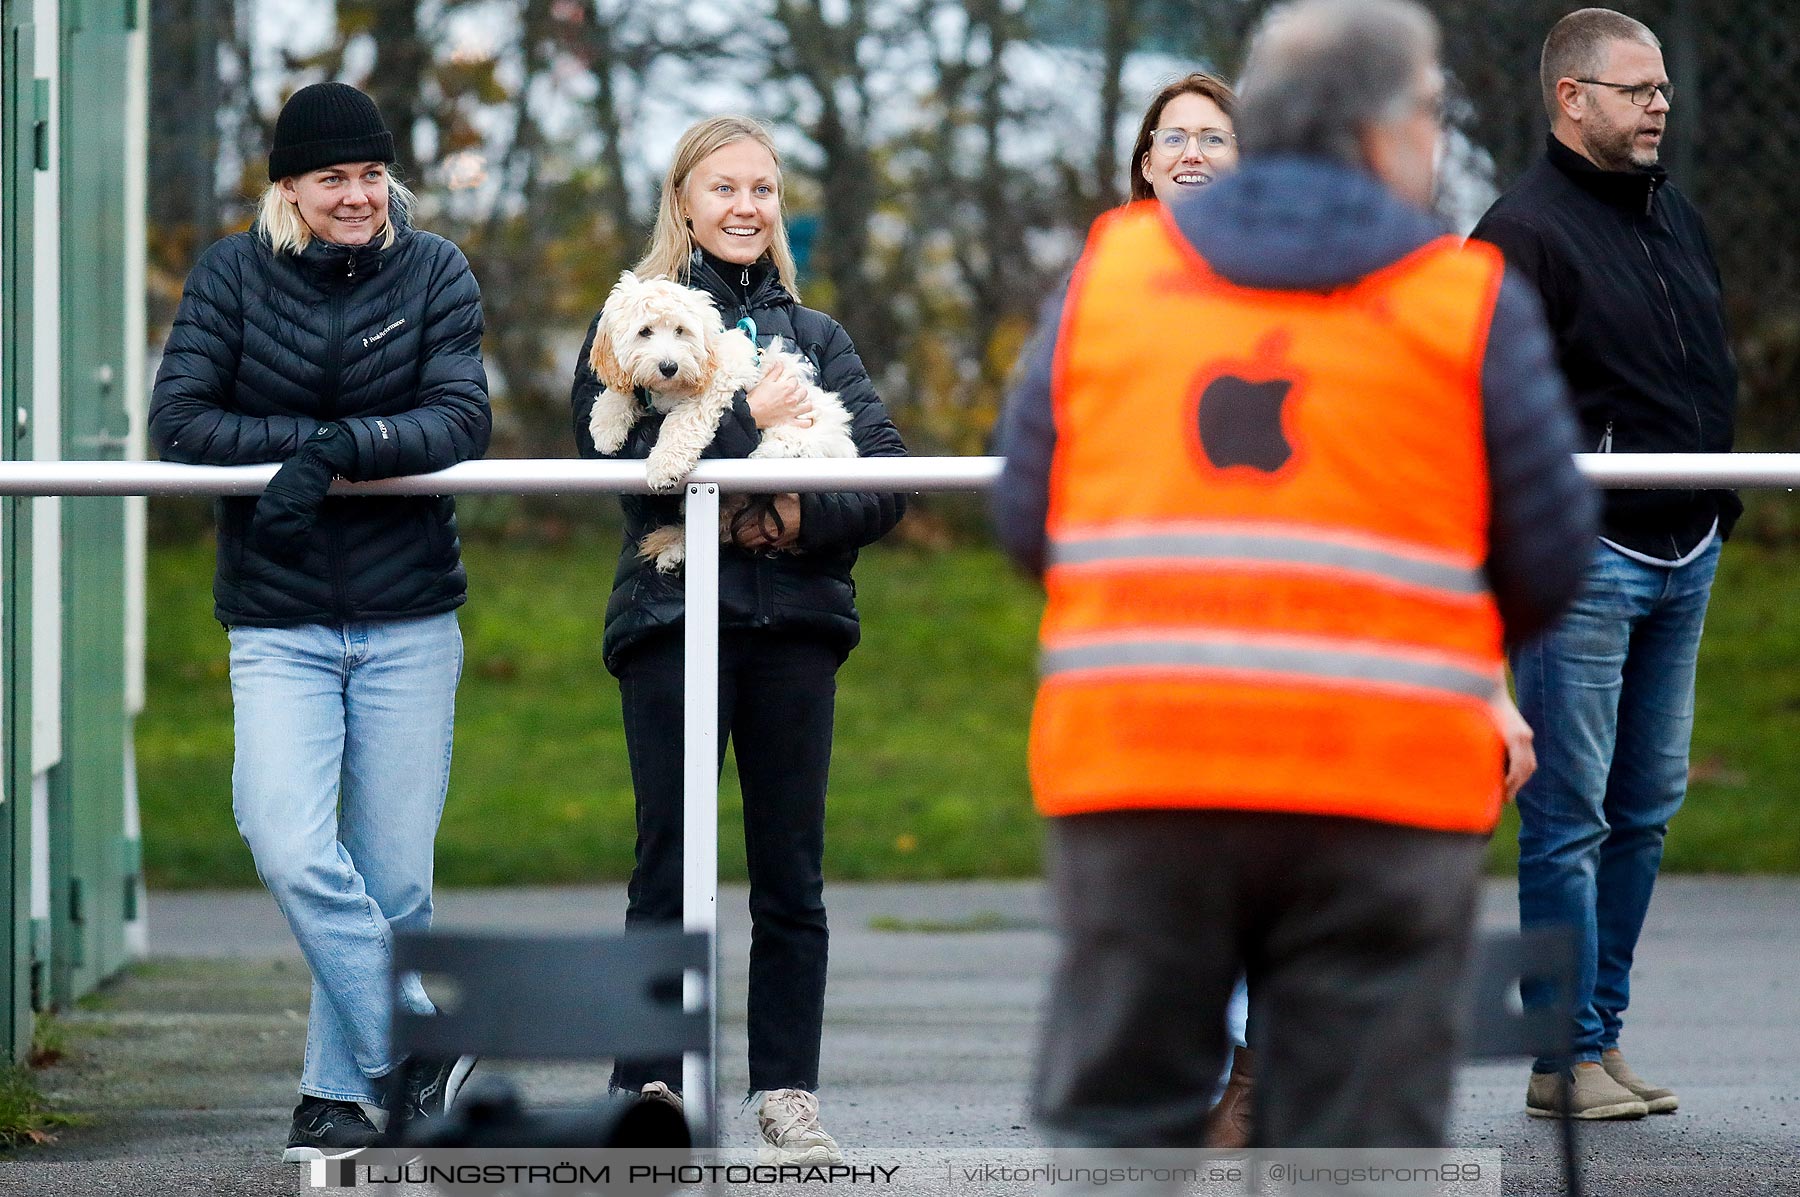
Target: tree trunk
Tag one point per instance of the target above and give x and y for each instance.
(401, 59)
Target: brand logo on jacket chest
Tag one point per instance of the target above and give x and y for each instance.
(374, 337)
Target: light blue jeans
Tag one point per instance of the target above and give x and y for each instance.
(1237, 1016)
(1237, 1029)
(1609, 693)
(343, 760)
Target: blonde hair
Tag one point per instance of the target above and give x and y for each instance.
(287, 232)
(672, 240)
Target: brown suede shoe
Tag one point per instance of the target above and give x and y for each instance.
(1595, 1096)
(1228, 1126)
(1659, 1099)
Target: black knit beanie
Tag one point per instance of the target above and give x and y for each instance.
(324, 124)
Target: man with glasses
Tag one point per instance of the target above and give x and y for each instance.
(1633, 297)
(1293, 463)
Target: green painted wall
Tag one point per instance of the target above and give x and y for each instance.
(88, 892)
(19, 152)
(91, 870)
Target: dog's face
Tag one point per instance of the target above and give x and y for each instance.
(658, 335)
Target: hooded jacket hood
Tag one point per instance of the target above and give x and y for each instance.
(1298, 223)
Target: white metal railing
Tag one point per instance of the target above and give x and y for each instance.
(700, 859)
(1644, 471)
(507, 477)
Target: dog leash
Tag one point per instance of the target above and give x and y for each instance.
(748, 327)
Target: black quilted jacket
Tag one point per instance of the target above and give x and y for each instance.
(806, 590)
(388, 341)
(1632, 293)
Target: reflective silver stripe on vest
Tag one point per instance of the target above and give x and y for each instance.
(1296, 661)
(1274, 548)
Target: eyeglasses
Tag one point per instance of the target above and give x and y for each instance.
(1638, 93)
(1173, 142)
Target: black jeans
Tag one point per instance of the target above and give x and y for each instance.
(776, 697)
(1354, 936)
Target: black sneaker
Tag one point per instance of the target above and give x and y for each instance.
(324, 1129)
(431, 1088)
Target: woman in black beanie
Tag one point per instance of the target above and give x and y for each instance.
(336, 339)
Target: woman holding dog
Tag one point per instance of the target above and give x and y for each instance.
(787, 621)
(338, 340)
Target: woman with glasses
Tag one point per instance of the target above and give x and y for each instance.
(1185, 142)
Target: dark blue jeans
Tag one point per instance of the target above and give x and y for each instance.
(1609, 692)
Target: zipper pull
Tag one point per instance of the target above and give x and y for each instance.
(1606, 440)
(350, 267)
(745, 280)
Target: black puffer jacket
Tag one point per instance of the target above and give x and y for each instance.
(388, 341)
(808, 589)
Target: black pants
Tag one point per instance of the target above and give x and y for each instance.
(776, 695)
(1354, 936)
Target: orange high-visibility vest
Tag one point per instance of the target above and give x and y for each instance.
(1268, 527)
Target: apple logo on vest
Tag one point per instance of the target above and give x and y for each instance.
(1241, 407)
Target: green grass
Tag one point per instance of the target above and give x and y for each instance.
(984, 920)
(928, 765)
(26, 1119)
(1745, 775)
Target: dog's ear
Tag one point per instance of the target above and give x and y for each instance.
(627, 279)
(606, 363)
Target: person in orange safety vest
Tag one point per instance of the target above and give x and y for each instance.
(1295, 466)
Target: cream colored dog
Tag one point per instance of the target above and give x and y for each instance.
(668, 343)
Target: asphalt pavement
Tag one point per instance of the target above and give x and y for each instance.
(183, 1071)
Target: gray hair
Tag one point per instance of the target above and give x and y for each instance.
(1576, 47)
(1321, 71)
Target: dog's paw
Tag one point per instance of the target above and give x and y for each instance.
(669, 463)
(611, 420)
(664, 478)
(664, 542)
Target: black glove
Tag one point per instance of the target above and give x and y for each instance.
(290, 504)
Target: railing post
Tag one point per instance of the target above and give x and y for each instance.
(700, 788)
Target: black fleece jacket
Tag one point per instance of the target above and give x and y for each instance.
(1302, 224)
(1626, 274)
(807, 589)
(386, 341)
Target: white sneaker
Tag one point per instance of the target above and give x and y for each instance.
(789, 1119)
(659, 1092)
